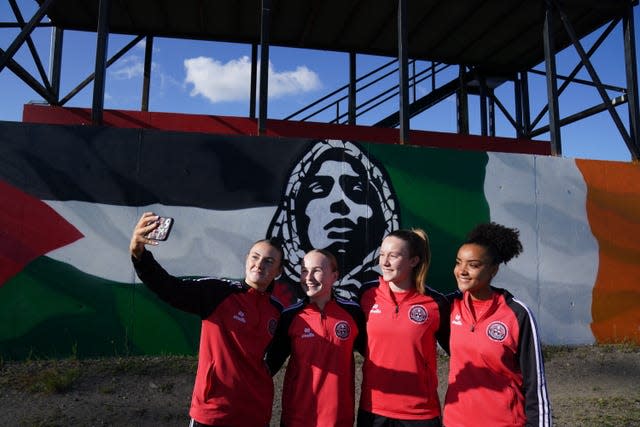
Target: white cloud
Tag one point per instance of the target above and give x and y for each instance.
(220, 82)
(292, 82)
(128, 68)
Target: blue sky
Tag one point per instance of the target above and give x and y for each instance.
(182, 82)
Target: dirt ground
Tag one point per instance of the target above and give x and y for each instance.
(588, 386)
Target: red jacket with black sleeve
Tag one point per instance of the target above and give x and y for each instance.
(496, 371)
(318, 387)
(399, 372)
(233, 386)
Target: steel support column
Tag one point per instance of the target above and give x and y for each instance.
(146, 77)
(483, 106)
(492, 114)
(462, 103)
(101, 62)
(552, 88)
(524, 102)
(632, 80)
(352, 88)
(404, 71)
(517, 89)
(254, 80)
(55, 66)
(265, 19)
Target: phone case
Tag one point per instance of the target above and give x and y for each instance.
(163, 229)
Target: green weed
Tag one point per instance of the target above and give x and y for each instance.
(51, 380)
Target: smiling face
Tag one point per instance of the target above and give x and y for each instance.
(317, 277)
(396, 263)
(474, 270)
(263, 264)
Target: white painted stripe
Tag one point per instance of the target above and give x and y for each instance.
(202, 242)
(545, 198)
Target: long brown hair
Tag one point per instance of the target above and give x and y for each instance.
(418, 242)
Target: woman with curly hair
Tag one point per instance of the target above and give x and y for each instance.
(496, 371)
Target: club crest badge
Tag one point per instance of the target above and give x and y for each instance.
(497, 331)
(342, 330)
(418, 314)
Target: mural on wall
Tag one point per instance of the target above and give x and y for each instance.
(339, 199)
(75, 291)
(613, 209)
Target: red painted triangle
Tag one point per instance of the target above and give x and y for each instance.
(28, 229)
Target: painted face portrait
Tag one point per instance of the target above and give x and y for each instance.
(337, 198)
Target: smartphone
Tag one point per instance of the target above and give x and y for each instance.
(162, 231)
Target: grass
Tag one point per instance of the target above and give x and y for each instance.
(616, 411)
(550, 352)
(49, 380)
(59, 376)
(53, 379)
(147, 365)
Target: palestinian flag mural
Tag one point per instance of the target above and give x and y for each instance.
(70, 197)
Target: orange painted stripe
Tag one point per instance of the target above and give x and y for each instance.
(613, 209)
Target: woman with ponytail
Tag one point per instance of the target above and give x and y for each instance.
(404, 319)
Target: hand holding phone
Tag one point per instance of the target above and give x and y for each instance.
(161, 232)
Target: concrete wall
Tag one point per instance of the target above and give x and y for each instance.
(70, 196)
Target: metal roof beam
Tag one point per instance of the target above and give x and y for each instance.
(90, 78)
(596, 79)
(632, 81)
(24, 34)
(31, 45)
(591, 111)
(29, 79)
(571, 77)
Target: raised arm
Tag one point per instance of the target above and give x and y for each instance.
(146, 223)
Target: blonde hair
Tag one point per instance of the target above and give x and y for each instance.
(418, 242)
(331, 257)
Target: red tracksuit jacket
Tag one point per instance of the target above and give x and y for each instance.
(496, 371)
(318, 387)
(399, 372)
(233, 386)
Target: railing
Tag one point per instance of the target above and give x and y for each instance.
(377, 76)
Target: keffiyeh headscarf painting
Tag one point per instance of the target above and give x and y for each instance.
(340, 199)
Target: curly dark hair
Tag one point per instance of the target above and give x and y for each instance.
(502, 243)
